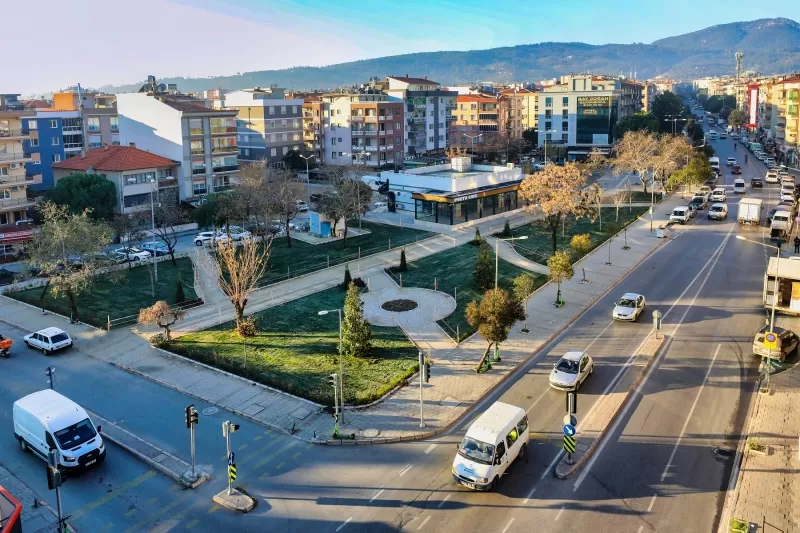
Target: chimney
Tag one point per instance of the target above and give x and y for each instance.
(406, 75)
(132, 144)
(105, 147)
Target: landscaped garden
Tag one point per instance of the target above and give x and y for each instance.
(119, 293)
(296, 350)
(303, 257)
(451, 271)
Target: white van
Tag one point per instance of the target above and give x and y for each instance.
(714, 162)
(47, 420)
(492, 443)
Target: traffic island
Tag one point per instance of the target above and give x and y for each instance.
(235, 501)
(605, 413)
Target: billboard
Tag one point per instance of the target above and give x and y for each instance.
(752, 106)
(593, 120)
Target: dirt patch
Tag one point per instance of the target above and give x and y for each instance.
(399, 306)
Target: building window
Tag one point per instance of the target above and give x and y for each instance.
(565, 138)
(35, 142)
(56, 158)
(333, 141)
(283, 110)
(271, 110)
(53, 123)
(564, 113)
(115, 140)
(246, 152)
(3, 171)
(285, 150)
(198, 187)
(398, 140)
(95, 141)
(284, 137)
(430, 139)
(549, 137)
(294, 109)
(197, 147)
(5, 194)
(272, 124)
(114, 123)
(548, 125)
(273, 152)
(441, 137)
(548, 101)
(397, 126)
(93, 123)
(548, 114)
(195, 126)
(283, 123)
(33, 125)
(333, 155)
(56, 141)
(565, 101)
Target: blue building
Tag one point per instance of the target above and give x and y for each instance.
(60, 137)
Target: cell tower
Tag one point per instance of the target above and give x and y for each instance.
(739, 56)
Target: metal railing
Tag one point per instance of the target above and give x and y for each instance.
(130, 320)
(4, 156)
(13, 133)
(12, 202)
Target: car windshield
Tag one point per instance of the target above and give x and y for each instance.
(626, 302)
(75, 435)
(59, 337)
(567, 366)
(717, 208)
(476, 450)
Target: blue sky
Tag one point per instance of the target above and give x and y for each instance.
(134, 38)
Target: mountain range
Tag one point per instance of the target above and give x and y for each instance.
(770, 46)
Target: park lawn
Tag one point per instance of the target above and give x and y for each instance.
(296, 350)
(453, 269)
(303, 257)
(539, 246)
(120, 293)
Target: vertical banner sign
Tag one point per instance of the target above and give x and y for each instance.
(752, 105)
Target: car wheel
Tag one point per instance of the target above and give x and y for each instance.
(198, 243)
(591, 370)
(493, 484)
(45, 352)
(523, 453)
(136, 258)
(23, 445)
(27, 344)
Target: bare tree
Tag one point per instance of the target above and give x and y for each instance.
(168, 215)
(347, 197)
(283, 189)
(635, 153)
(161, 315)
(618, 198)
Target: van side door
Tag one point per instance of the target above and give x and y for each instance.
(501, 458)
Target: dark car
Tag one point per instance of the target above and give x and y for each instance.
(736, 169)
(698, 202)
(770, 215)
(756, 182)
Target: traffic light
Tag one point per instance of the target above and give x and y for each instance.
(228, 427)
(53, 477)
(426, 369)
(192, 417)
(333, 379)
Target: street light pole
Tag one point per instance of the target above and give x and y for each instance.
(472, 138)
(341, 363)
(153, 189)
(308, 180)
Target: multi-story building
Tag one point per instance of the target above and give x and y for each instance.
(479, 119)
(361, 127)
(313, 111)
(428, 109)
(14, 180)
(663, 85)
(183, 129)
(649, 92)
(786, 118)
(520, 111)
(268, 124)
(581, 110)
(135, 173)
(60, 136)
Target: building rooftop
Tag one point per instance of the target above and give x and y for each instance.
(413, 81)
(115, 159)
(189, 104)
(37, 104)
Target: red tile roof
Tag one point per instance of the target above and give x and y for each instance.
(414, 81)
(115, 159)
(36, 104)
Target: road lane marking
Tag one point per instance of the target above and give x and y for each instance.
(193, 523)
(345, 523)
(164, 510)
(91, 506)
(559, 514)
(257, 437)
(297, 454)
(269, 457)
(151, 501)
(713, 259)
(424, 522)
(279, 465)
(531, 493)
(406, 469)
(132, 511)
(376, 495)
(107, 526)
(689, 416)
(243, 446)
(652, 503)
(552, 464)
(508, 525)
(430, 448)
(214, 508)
(442, 502)
(641, 528)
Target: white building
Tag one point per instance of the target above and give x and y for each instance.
(186, 130)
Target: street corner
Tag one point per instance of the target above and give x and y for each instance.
(235, 500)
(192, 480)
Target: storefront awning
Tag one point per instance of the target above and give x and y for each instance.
(471, 194)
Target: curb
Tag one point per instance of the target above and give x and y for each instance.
(238, 501)
(665, 343)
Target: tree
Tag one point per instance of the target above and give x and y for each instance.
(724, 113)
(484, 269)
(737, 118)
(347, 197)
(524, 286)
(238, 270)
(637, 122)
(702, 96)
(169, 215)
(560, 267)
(667, 105)
(695, 131)
(79, 192)
(558, 192)
(581, 244)
(695, 173)
(493, 317)
(180, 295)
(253, 192)
(403, 265)
(618, 198)
(68, 248)
(283, 189)
(348, 278)
(506, 233)
(635, 153)
(477, 239)
(356, 334)
(673, 152)
(531, 135)
(161, 315)
(294, 160)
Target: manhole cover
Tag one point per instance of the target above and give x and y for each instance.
(370, 433)
(208, 411)
(398, 306)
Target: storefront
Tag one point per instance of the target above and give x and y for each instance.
(457, 208)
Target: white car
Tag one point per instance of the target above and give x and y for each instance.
(787, 194)
(760, 156)
(718, 195)
(237, 233)
(718, 212)
(131, 253)
(48, 340)
(209, 237)
(771, 177)
(731, 161)
(302, 206)
(538, 166)
(681, 214)
(571, 370)
(629, 307)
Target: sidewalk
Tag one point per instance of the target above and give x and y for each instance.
(37, 515)
(454, 385)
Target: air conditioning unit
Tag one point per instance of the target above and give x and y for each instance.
(16, 165)
(509, 165)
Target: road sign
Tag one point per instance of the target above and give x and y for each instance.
(569, 430)
(771, 341)
(572, 402)
(569, 444)
(232, 472)
(570, 420)
(230, 458)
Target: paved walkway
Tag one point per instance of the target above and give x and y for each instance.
(37, 515)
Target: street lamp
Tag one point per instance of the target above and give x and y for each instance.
(673, 120)
(497, 254)
(472, 138)
(308, 179)
(341, 364)
(153, 190)
(545, 141)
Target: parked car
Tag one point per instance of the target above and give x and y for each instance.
(237, 233)
(629, 307)
(756, 182)
(571, 370)
(211, 237)
(155, 248)
(131, 253)
(48, 340)
(538, 166)
(770, 215)
(302, 206)
(771, 177)
(787, 343)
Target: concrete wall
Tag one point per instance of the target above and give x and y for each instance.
(150, 124)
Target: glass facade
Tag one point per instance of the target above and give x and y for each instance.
(593, 120)
(465, 210)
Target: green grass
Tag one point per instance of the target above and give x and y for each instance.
(539, 246)
(641, 196)
(453, 269)
(296, 350)
(303, 258)
(120, 293)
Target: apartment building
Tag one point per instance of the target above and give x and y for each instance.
(785, 119)
(268, 124)
(479, 119)
(581, 110)
(313, 143)
(183, 129)
(14, 179)
(60, 136)
(649, 92)
(362, 126)
(428, 109)
(521, 111)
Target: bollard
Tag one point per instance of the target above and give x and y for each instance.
(657, 323)
(390, 244)
(329, 260)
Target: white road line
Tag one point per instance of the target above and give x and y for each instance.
(508, 525)
(345, 523)
(713, 259)
(641, 528)
(652, 503)
(552, 463)
(689, 417)
(406, 469)
(442, 502)
(531, 493)
(376, 495)
(424, 522)
(559, 514)
(430, 448)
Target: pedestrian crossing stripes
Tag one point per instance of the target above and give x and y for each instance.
(569, 444)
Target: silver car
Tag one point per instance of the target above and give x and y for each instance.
(629, 307)
(571, 370)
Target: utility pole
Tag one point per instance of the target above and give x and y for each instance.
(54, 482)
(421, 378)
(227, 429)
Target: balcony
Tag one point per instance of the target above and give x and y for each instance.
(14, 134)
(198, 170)
(418, 120)
(450, 118)
(371, 118)
(228, 168)
(15, 157)
(196, 132)
(356, 118)
(357, 133)
(370, 148)
(370, 133)
(385, 117)
(17, 203)
(27, 180)
(225, 149)
(389, 132)
(220, 130)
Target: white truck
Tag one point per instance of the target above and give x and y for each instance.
(788, 274)
(750, 211)
(781, 226)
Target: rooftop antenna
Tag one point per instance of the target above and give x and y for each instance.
(739, 56)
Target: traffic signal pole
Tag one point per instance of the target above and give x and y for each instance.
(55, 473)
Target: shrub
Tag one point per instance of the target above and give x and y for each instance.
(347, 277)
(180, 297)
(477, 240)
(248, 327)
(360, 283)
(158, 339)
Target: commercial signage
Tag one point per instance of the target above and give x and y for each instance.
(594, 101)
(466, 197)
(752, 105)
(600, 138)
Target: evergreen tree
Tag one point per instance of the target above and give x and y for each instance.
(477, 236)
(506, 233)
(180, 297)
(403, 264)
(484, 269)
(356, 334)
(347, 277)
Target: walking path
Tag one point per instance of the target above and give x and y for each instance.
(454, 385)
(37, 516)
